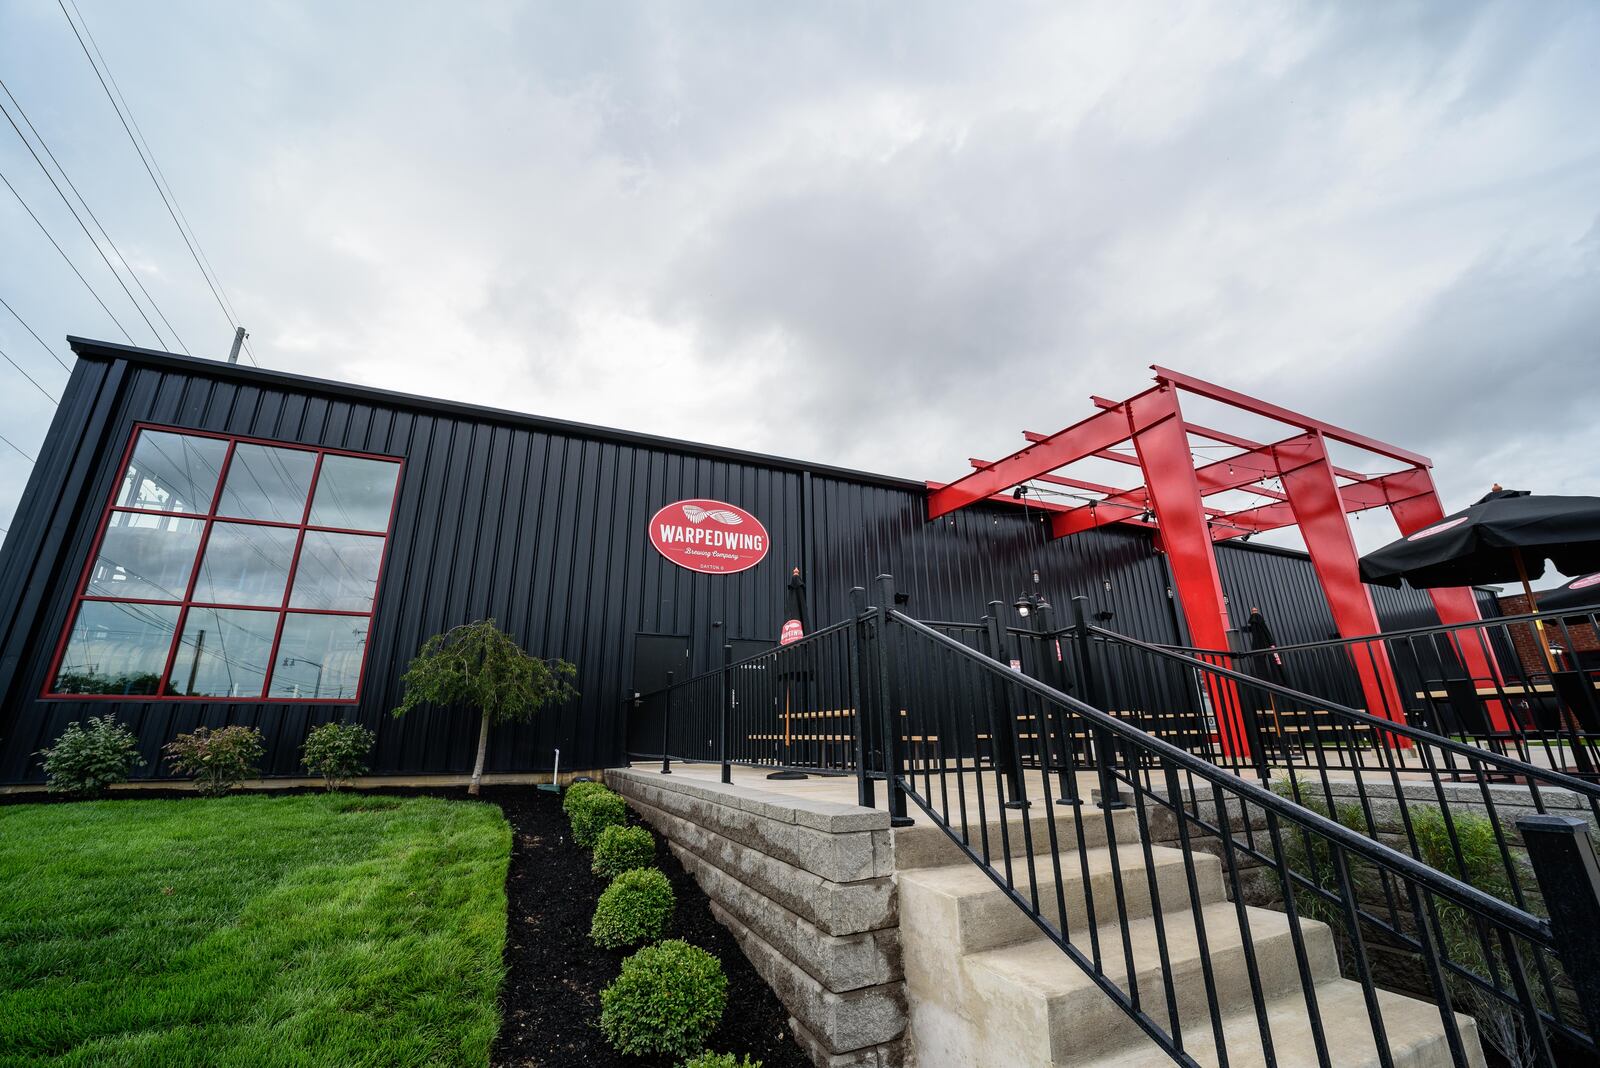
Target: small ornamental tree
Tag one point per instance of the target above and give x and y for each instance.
(479, 667)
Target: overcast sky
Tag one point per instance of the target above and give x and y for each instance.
(888, 236)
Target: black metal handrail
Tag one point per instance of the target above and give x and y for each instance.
(1504, 957)
(942, 716)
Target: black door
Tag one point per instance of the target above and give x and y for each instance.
(655, 656)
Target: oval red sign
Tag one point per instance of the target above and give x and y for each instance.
(712, 537)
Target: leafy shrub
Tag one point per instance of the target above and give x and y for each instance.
(620, 849)
(337, 752)
(634, 908)
(577, 792)
(89, 757)
(593, 813)
(720, 1060)
(668, 999)
(219, 760)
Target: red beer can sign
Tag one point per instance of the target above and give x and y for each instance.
(712, 537)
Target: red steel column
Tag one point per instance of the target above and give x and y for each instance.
(1455, 604)
(1163, 447)
(1308, 479)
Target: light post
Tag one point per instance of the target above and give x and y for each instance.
(316, 690)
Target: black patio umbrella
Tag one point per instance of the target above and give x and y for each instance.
(1581, 592)
(1505, 537)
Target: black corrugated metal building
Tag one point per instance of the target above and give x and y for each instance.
(325, 530)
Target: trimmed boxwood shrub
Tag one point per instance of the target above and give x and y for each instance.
(593, 813)
(634, 908)
(219, 760)
(577, 792)
(620, 849)
(668, 999)
(721, 1060)
(337, 752)
(90, 756)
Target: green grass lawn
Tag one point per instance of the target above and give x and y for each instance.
(307, 930)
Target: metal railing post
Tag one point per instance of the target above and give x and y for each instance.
(727, 712)
(865, 791)
(666, 724)
(1564, 865)
(889, 715)
(1050, 653)
(1002, 723)
(1104, 745)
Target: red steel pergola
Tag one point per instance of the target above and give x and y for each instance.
(1315, 495)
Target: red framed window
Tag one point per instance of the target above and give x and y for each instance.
(230, 568)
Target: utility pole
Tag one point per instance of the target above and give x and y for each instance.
(238, 341)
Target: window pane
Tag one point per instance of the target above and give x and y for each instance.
(223, 653)
(337, 572)
(172, 472)
(146, 557)
(116, 648)
(354, 494)
(245, 564)
(319, 657)
(267, 483)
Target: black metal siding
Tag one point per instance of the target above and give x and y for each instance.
(542, 526)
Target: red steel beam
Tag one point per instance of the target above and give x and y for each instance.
(1223, 437)
(1217, 477)
(1030, 503)
(1376, 492)
(1319, 512)
(1099, 431)
(1082, 484)
(1201, 387)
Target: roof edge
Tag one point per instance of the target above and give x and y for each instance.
(91, 349)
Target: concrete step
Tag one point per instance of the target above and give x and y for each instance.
(1414, 1032)
(924, 845)
(977, 915)
(1053, 1013)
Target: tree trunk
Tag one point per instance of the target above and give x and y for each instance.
(483, 748)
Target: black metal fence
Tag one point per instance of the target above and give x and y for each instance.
(1405, 843)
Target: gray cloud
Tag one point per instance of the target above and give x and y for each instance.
(923, 234)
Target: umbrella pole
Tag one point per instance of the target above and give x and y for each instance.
(1538, 624)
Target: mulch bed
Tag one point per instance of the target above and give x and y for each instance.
(550, 1003)
(551, 999)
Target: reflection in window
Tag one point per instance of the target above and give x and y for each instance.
(223, 653)
(145, 557)
(245, 564)
(267, 483)
(354, 494)
(116, 648)
(198, 576)
(337, 572)
(172, 472)
(319, 656)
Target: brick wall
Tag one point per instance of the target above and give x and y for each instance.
(1575, 638)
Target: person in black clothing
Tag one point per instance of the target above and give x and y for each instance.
(1265, 665)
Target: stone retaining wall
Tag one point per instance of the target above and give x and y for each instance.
(807, 888)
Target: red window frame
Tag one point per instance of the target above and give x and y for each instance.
(210, 517)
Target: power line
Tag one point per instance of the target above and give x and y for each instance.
(79, 220)
(95, 218)
(14, 445)
(30, 378)
(141, 151)
(35, 334)
(64, 256)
